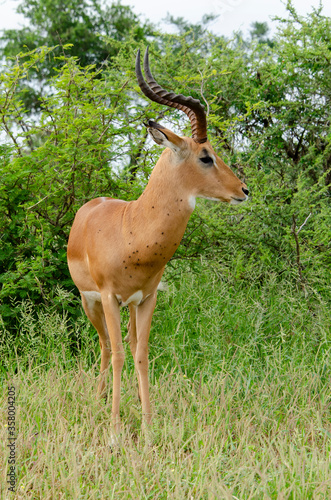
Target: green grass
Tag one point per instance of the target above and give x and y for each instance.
(240, 388)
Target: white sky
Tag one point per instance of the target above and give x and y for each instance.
(234, 15)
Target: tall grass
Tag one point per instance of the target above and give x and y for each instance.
(240, 387)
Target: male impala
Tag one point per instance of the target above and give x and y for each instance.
(118, 250)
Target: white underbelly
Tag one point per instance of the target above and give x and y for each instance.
(135, 299)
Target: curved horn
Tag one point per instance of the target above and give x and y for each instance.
(192, 107)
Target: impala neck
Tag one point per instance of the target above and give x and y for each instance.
(164, 208)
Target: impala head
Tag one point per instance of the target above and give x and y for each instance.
(207, 175)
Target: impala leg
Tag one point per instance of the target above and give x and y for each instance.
(144, 320)
(113, 321)
(94, 312)
(132, 337)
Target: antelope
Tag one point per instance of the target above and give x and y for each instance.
(117, 250)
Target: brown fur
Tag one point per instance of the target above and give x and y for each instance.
(117, 248)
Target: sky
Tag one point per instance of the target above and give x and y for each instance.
(234, 15)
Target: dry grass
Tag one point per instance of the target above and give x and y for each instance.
(222, 436)
(240, 386)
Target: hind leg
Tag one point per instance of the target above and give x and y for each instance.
(94, 311)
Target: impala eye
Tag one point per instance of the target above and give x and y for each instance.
(207, 160)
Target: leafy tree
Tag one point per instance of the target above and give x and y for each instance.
(82, 24)
(73, 153)
(271, 111)
(269, 117)
(259, 32)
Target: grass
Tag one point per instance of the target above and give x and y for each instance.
(240, 387)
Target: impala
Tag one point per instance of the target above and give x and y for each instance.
(117, 250)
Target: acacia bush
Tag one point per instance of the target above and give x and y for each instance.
(55, 163)
(269, 117)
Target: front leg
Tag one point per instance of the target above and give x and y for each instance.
(143, 326)
(113, 321)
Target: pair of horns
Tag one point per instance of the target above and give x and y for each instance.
(192, 107)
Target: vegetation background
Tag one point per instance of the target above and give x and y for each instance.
(240, 345)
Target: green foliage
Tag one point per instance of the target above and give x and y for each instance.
(240, 343)
(270, 112)
(206, 319)
(269, 109)
(52, 167)
(259, 32)
(82, 24)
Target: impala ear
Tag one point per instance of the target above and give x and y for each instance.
(165, 137)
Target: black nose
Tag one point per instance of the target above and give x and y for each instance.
(246, 192)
